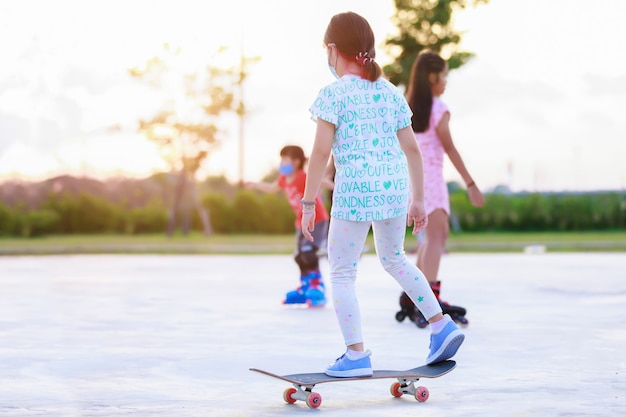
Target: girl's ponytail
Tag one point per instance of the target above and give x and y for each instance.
(419, 94)
(370, 70)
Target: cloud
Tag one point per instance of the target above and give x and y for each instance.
(12, 128)
(38, 117)
(554, 137)
(604, 85)
(526, 98)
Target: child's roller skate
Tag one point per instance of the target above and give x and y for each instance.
(310, 292)
(315, 294)
(457, 313)
(408, 309)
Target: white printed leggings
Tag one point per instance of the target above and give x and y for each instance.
(345, 242)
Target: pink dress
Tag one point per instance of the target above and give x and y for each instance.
(435, 187)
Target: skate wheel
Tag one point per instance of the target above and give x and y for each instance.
(400, 316)
(287, 395)
(314, 400)
(395, 390)
(317, 304)
(421, 394)
(461, 320)
(421, 323)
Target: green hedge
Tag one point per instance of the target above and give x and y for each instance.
(542, 212)
(252, 212)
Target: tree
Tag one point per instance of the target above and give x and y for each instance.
(424, 24)
(187, 128)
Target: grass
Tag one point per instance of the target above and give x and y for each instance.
(609, 241)
(284, 244)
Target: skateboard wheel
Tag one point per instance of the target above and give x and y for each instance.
(395, 390)
(400, 316)
(421, 394)
(287, 395)
(314, 400)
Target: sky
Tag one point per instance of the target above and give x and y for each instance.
(539, 108)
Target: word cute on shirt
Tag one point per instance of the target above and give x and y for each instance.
(360, 100)
(368, 190)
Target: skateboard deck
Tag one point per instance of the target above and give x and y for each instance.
(405, 384)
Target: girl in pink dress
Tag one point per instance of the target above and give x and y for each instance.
(430, 123)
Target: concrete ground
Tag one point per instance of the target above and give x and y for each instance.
(115, 335)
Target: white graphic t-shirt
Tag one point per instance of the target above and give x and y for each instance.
(371, 180)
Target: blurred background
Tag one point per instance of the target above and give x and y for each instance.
(141, 117)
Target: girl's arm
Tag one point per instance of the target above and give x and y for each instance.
(443, 131)
(324, 134)
(417, 212)
(328, 181)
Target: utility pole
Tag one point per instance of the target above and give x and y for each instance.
(240, 110)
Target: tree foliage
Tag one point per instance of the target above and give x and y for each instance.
(188, 126)
(424, 25)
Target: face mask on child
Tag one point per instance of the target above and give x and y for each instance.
(285, 169)
(333, 71)
(331, 67)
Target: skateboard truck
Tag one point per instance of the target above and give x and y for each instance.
(407, 386)
(314, 400)
(303, 393)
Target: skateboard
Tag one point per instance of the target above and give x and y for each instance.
(405, 384)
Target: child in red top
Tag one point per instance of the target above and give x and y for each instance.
(292, 180)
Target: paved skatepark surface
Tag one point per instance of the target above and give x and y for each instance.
(143, 335)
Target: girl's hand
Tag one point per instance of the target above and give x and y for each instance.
(475, 196)
(308, 225)
(417, 216)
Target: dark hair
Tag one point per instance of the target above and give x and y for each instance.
(419, 94)
(354, 39)
(294, 152)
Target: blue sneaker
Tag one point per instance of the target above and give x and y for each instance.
(444, 345)
(345, 367)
